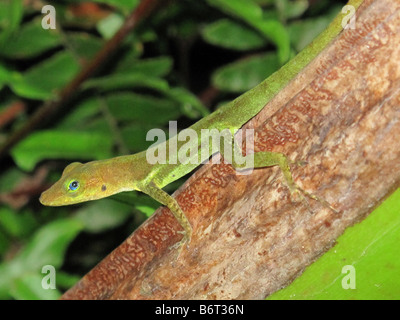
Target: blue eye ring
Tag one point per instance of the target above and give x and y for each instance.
(73, 185)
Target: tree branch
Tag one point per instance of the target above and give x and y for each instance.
(251, 237)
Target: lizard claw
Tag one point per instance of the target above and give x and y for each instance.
(299, 163)
(180, 245)
(302, 193)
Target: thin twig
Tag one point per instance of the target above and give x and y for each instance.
(11, 112)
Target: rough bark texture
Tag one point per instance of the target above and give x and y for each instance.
(251, 237)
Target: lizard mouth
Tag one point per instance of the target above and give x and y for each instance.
(44, 199)
(47, 198)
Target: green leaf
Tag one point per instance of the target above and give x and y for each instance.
(66, 280)
(371, 247)
(5, 244)
(291, 9)
(124, 5)
(122, 81)
(304, 31)
(245, 74)
(49, 244)
(296, 9)
(191, 106)
(232, 35)
(103, 215)
(46, 247)
(9, 221)
(252, 14)
(5, 76)
(29, 287)
(42, 80)
(16, 224)
(11, 13)
(24, 89)
(108, 26)
(10, 178)
(245, 9)
(156, 67)
(140, 202)
(277, 33)
(134, 136)
(30, 40)
(82, 113)
(146, 109)
(54, 144)
(83, 44)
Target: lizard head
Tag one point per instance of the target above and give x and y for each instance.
(78, 183)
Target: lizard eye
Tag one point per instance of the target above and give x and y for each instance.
(73, 185)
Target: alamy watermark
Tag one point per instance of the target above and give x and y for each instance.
(49, 20)
(349, 280)
(49, 280)
(349, 20)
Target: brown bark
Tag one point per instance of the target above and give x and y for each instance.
(251, 237)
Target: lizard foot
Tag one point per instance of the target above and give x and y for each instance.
(303, 194)
(181, 244)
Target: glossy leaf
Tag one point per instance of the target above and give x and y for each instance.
(103, 215)
(252, 14)
(31, 40)
(245, 74)
(155, 67)
(191, 106)
(304, 31)
(291, 9)
(10, 222)
(11, 13)
(29, 287)
(231, 35)
(81, 114)
(135, 136)
(122, 81)
(5, 76)
(126, 4)
(46, 247)
(130, 106)
(16, 225)
(49, 243)
(85, 45)
(43, 79)
(54, 144)
(108, 26)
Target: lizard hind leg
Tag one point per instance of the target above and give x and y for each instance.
(303, 193)
(294, 188)
(284, 164)
(266, 159)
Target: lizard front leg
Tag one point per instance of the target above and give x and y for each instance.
(164, 198)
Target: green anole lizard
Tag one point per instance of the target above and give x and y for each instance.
(98, 179)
